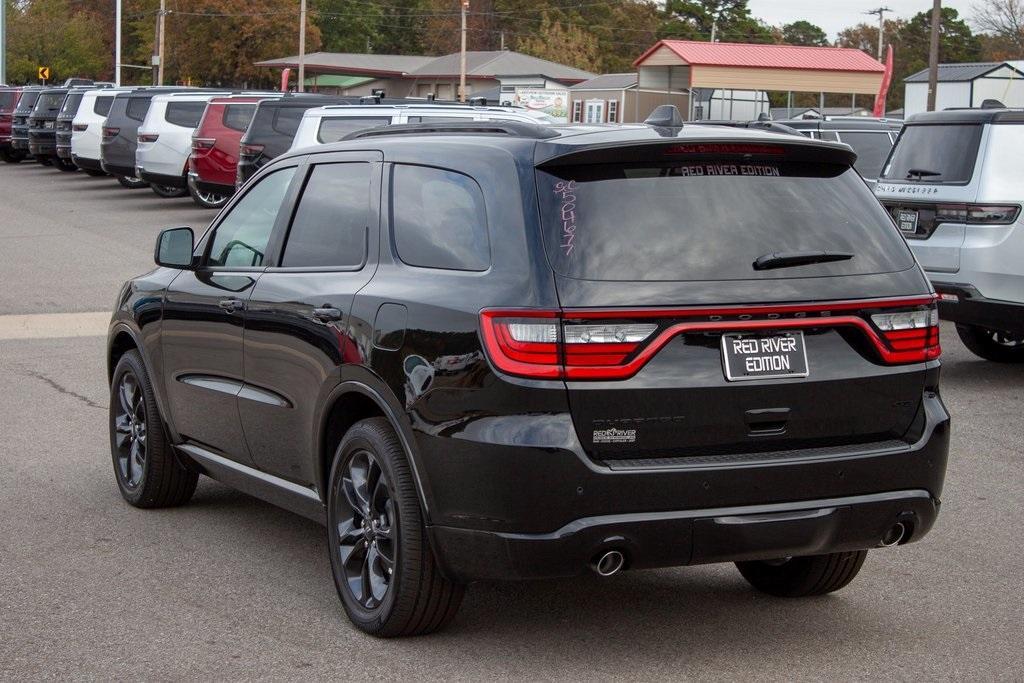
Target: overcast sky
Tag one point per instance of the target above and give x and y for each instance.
(835, 15)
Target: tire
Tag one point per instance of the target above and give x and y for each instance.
(999, 347)
(800, 577)
(132, 183)
(45, 161)
(207, 200)
(95, 172)
(168, 192)
(11, 156)
(64, 165)
(372, 496)
(147, 471)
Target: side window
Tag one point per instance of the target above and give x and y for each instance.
(240, 240)
(137, 108)
(329, 228)
(438, 219)
(830, 135)
(102, 105)
(435, 119)
(238, 116)
(286, 120)
(186, 114)
(334, 129)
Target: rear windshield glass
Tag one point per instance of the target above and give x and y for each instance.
(238, 116)
(71, 103)
(935, 154)
(28, 100)
(7, 99)
(335, 128)
(137, 107)
(102, 105)
(872, 150)
(186, 114)
(710, 220)
(49, 103)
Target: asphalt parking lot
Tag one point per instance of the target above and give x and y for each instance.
(229, 587)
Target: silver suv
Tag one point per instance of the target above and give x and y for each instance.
(952, 184)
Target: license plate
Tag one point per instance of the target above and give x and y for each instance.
(764, 356)
(907, 220)
(47, 124)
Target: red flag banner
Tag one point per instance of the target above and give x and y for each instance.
(883, 90)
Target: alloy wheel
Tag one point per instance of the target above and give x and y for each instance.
(366, 537)
(211, 198)
(130, 428)
(1010, 341)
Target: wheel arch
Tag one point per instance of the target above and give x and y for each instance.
(350, 402)
(122, 339)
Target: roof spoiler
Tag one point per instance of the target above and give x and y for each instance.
(509, 128)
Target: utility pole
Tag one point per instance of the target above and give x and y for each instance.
(881, 26)
(933, 54)
(160, 54)
(714, 28)
(462, 55)
(117, 42)
(3, 41)
(301, 85)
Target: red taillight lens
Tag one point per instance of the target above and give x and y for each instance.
(148, 137)
(203, 144)
(109, 132)
(523, 343)
(250, 150)
(80, 127)
(912, 336)
(726, 148)
(977, 214)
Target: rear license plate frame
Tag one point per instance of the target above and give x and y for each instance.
(730, 352)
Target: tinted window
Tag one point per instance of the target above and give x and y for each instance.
(830, 135)
(137, 108)
(329, 228)
(71, 103)
(710, 220)
(28, 100)
(335, 128)
(186, 114)
(438, 219)
(7, 99)
(241, 238)
(49, 103)
(872, 150)
(102, 105)
(286, 120)
(935, 154)
(238, 116)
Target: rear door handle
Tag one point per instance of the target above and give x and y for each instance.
(327, 314)
(232, 305)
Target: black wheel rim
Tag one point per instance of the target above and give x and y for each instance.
(130, 431)
(366, 533)
(1006, 340)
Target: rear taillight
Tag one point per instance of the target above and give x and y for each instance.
(80, 127)
(250, 150)
(977, 214)
(110, 132)
(149, 137)
(611, 345)
(200, 144)
(912, 336)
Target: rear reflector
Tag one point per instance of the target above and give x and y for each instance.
(616, 344)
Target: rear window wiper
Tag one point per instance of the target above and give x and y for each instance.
(920, 173)
(787, 259)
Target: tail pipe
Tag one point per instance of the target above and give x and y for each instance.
(893, 535)
(608, 563)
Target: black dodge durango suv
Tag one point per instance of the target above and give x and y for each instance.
(489, 351)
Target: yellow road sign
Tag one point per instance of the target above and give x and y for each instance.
(44, 73)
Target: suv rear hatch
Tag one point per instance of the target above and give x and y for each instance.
(709, 308)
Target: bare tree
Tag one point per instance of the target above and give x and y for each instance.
(1004, 19)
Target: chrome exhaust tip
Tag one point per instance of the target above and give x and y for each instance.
(609, 563)
(894, 535)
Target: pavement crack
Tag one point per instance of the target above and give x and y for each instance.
(64, 390)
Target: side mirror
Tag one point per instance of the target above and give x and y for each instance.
(174, 247)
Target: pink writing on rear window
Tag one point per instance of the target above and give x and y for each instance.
(566, 190)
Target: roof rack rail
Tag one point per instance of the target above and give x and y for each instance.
(514, 129)
(773, 126)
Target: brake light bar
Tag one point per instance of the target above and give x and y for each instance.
(612, 344)
(726, 148)
(977, 214)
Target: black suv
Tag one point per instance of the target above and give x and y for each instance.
(42, 127)
(19, 122)
(872, 139)
(502, 351)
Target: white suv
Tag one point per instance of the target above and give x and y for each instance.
(952, 184)
(332, 123)
(87, 129)
(165, 140)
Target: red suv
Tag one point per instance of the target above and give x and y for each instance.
(214, 159)
(8, 102)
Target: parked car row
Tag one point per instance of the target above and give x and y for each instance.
(199, 142)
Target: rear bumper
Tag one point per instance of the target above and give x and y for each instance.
(971, 308)
(86, 163)
(118, 170)
(214, 188)
(42, 148)
(162, 179)
(687, 537)
(19, 143)
(547, 512)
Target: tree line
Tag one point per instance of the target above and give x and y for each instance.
(216, 42)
